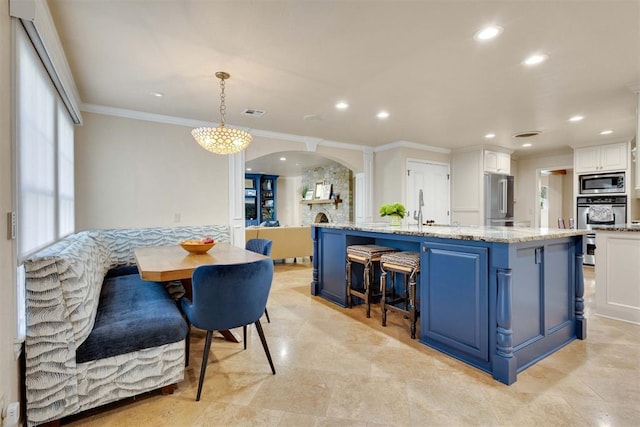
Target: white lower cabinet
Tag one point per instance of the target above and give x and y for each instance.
(618, 275)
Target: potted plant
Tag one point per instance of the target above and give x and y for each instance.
(303, 191)
(395, 210)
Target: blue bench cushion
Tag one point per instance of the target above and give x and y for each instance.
(122, 271)
(133, 314)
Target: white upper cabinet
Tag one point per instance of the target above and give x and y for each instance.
(497, 162)
(612, 157)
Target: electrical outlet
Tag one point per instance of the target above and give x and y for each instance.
(11, 414)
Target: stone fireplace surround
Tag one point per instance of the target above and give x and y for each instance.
(341, 178)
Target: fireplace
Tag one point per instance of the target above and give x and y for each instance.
(320, 218)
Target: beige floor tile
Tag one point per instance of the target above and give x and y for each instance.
(301, 391)
(370, 399)
(219, 414)
(335, 367)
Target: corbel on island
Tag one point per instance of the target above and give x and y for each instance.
(497, 298)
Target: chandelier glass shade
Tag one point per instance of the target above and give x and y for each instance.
(221, 139)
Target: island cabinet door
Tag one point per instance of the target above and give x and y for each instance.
(331, 268)
(454, 300)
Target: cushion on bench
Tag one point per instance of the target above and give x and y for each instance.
(132, 315)
(122, 271)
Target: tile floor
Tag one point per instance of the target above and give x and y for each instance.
(337, 368)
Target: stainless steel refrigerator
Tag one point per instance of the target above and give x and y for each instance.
(498, 199)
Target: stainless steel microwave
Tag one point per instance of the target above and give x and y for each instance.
(602, 183)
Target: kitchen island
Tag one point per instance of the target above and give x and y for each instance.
(618, 272)
(497, 298)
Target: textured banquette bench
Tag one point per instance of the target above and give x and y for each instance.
(96, 332)
(288, 241)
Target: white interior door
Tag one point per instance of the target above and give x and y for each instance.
(433, 179)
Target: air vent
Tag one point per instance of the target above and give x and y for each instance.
(253, 112)
(527, 134)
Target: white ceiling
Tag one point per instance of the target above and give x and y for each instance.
(416, 59)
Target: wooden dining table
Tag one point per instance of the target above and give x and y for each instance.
(168, 263)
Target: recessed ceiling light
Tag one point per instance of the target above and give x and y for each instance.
(488, 33)
(283, 158)
(249, 169)
(157, 94)
(606, 132)
(382, 115)
(342, 105)
(528, 144)
(490, 135)
(535, 59)
(576, 118)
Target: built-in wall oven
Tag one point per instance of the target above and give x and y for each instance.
(599, 210)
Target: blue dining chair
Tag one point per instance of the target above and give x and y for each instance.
(260, 246)
(226, 297)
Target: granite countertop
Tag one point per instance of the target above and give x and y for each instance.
(464, 232)
(632, 227)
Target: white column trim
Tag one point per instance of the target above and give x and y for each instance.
(367, 166)
(236, 199)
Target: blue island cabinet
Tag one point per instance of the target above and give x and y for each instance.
(454, 314)
(501, 307)
(499, 300)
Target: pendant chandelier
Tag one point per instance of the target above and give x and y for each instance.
(221, 139)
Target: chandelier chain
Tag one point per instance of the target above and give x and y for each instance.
(223, 107)
(221, 139)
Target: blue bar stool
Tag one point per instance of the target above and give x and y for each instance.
(366, 255)
(407, 264)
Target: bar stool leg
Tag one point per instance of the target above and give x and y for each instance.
(367, 282)
(406, 296)
(412, 306)
(383, 296)
(348, 283)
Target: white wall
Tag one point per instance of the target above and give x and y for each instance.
(467, 187)
(556, 197)
(390, 174)
(133, 173)
(388, 182)
(567, 196)
(289, 200)
(526, 185)
(9, 369)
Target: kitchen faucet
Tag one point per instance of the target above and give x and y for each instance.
(417, 215)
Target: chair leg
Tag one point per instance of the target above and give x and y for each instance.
(264, 345)
(187, 344)
(205, 358)
(266, 313)
(244, 336)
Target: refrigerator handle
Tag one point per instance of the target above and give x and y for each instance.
(503, 196)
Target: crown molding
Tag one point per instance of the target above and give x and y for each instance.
(413, 145)
(140, 115)
(181, 121)
(310, 142)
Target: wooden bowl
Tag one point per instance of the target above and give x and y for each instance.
(197, 248)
